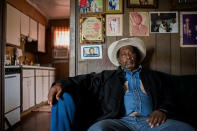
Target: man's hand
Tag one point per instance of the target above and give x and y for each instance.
(156, 118)
(56, 91)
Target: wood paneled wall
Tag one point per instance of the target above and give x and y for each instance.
(62, 66)
(48, 40)
(62, 70)
(163, 50)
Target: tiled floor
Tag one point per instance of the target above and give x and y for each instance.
(35, 121)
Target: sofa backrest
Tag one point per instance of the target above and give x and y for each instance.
(184, 88)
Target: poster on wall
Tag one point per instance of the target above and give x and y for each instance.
(90, 6)
(188, 29)
(91, 52)
(142, 3)
(183, 5)
(114, 25)
(91, 28)
(139, 24)
(164, 22)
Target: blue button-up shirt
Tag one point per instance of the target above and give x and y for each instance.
(134, 99)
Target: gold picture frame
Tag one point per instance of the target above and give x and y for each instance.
(113, 6)
(183, 5)
(142, 3)
(92, 28)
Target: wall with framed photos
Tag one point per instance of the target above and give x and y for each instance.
(164, 52)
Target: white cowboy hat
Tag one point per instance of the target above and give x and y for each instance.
(115, 46)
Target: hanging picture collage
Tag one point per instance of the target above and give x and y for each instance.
(101, 18)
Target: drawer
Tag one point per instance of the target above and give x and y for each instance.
(28, 73)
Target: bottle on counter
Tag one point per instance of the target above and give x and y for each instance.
(13, 60)
(16, 61)
(7, 61)
(10, 60)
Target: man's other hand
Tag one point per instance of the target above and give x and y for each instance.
(156, 118)
(55, 91)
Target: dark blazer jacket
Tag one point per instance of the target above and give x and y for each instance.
(102, 94)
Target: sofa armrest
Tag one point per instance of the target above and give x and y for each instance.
(185, 93)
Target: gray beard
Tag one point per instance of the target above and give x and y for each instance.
(125, 65)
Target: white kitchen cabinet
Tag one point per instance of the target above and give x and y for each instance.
(28, 89)
(45, 85)
(42, 85)
(13, 25)
(41, 38)
(35, 85)
(51, 77)
(31, 86)
(24, 24)
(45, 88)
(33, 29)
(39, 86)
(25, 102)
(38, 89)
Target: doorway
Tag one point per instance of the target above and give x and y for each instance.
(2, 48)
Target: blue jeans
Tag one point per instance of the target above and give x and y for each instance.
(63, 117)
(63, 114)
(83, 9)
(132, 123)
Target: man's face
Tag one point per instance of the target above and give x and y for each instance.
(127, 58)
(137, 18)
(91, 51)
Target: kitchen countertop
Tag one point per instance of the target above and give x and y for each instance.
(37, 67)
(31, 67)
(12, 66)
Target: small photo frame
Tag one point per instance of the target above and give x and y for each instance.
(91, 28)
(113, 6)
(139, 23)
(114, 25)
(183, 4)
(90, 6)
(188, 29)
(164, 22)
(142, 3)
(91, 52)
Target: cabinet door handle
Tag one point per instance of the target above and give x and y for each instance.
(10, 77)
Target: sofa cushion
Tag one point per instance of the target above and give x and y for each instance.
(185, 96)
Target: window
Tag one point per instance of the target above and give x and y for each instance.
(61, 37)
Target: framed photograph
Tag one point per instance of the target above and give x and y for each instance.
(164, 22)
(114, 25)
(113, 6)
(91, 52)
(142, 3)
(188, 29)
(139, 23)
(91, 28)
(184, 4)
(90, 6)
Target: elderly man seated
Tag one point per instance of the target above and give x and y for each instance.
(130, 98)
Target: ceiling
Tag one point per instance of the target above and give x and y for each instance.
(52, 9)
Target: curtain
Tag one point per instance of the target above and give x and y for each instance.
(61, 37)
